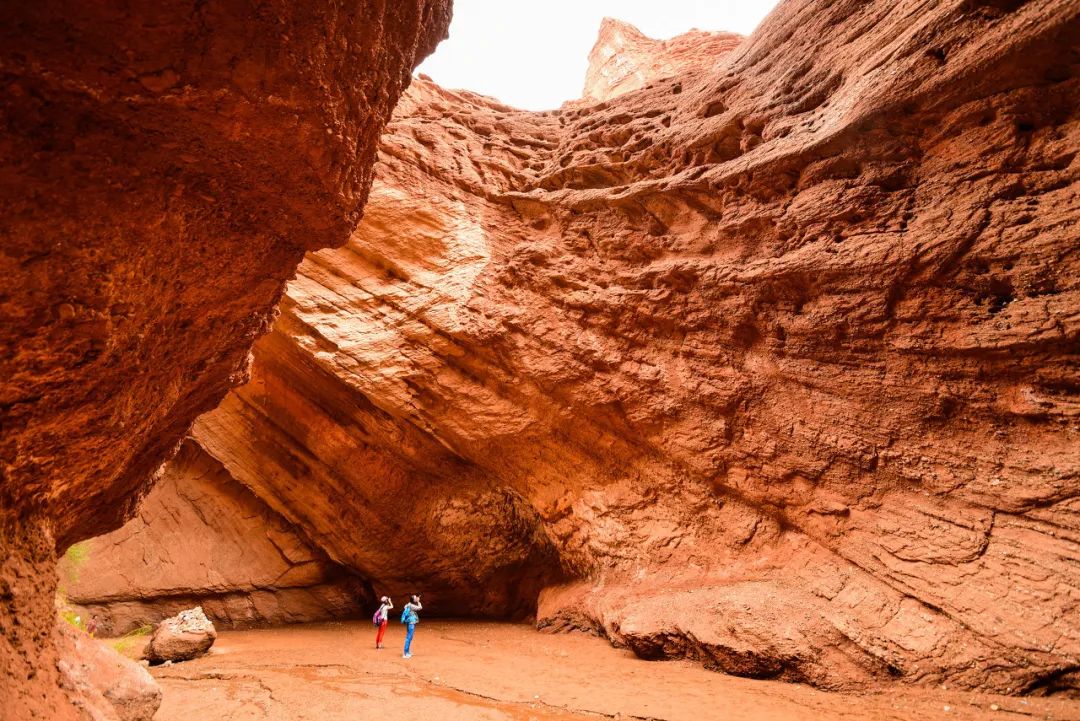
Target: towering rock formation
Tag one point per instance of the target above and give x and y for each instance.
(771, 364)
(624, 59)
(166, 165)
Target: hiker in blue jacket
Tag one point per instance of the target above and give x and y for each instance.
(410, 618)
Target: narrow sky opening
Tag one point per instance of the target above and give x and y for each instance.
(533, 55)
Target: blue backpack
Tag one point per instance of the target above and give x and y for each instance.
(408, 615)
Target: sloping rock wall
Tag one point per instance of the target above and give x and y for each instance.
(166, 165)
(771, 364)
(201, 538)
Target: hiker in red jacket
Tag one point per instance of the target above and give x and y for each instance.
(380, 619)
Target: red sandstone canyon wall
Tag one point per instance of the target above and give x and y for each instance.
(166, 165)
(202, 539)
(771, 363)
(768, 361)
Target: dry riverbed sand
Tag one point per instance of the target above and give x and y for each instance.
(479, 671)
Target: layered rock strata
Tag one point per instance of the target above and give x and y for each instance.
(201, 538)
(772, 364)
(165, 167)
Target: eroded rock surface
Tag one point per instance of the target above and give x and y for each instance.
(771, 364)
(165, 167)
(201, 538)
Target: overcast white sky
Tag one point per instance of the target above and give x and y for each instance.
(532, 54)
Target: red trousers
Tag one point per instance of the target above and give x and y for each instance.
(382, 631)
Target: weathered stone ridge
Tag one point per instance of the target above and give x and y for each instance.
(166, 165)
(624, 59)
(201, 538)
(770, 364)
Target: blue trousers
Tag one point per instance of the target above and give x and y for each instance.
(408, 636)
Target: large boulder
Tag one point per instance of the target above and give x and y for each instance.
(185, 636)
(106, 686)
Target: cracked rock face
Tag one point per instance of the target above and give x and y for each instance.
(166, 165)
(771, 364)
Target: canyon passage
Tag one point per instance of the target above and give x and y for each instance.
(761, 357)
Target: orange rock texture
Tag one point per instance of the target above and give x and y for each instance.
(202, 539)
(771, 363)
(166, 165)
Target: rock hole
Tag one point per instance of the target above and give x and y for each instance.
(998, 303)
(714, 108)
(746, 335)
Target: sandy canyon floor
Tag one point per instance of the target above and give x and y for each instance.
(506, 672)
